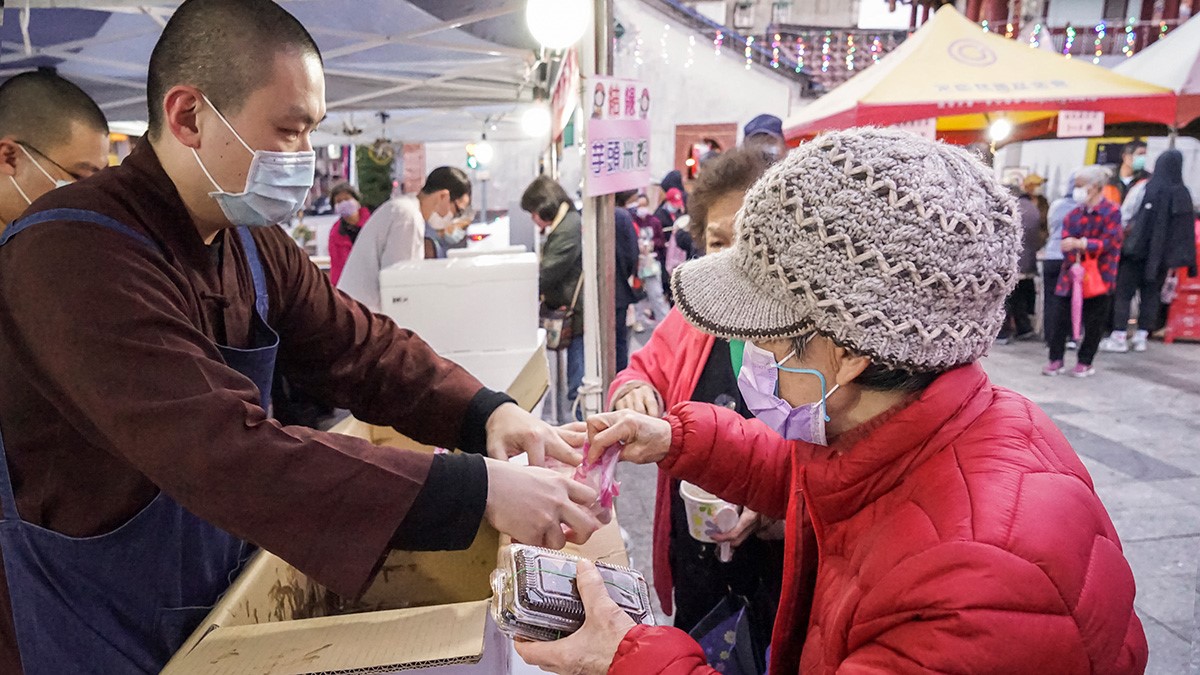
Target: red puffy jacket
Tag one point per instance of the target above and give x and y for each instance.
(959, 533)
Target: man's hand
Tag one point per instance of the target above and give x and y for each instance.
(538, 506)
(512, 431)
(647, 439)
(591, 649)
(639, 397)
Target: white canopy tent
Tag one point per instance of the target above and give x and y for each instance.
(1174, 63)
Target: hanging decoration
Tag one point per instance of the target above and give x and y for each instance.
(749, 52)
(876, 49)
(825, 49)
(638, 43)
(1101, 31)
(1162, 29)
(1035, 38)
(662, 42)
(801, 53)
(1070, 42)
(984, 23)
(850, 49)
(775, 51)
(718, 41)
(1008, 30)
(1130, 38)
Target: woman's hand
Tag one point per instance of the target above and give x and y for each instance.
(590, 650)
(647, 439)
(640, 397)
(748, 523)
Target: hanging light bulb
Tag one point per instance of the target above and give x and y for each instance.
(999, 130)
(485, 152)
(535, 122)
(557, 24)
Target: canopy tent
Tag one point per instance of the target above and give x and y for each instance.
(952, 71)
(442, 69)
(1174, 63)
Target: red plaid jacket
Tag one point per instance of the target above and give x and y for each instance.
(1102, 228)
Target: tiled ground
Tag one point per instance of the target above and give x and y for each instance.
(1137, 427)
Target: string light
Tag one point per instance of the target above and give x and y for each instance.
(1162, 29)
(876, 49)
(850, 49)
(637, 49)
(1035, 39)
(801, 52)
(662, 41)
(985, 26)
(691, 52)
(825, 57)
(1101, 31)
(1008, 31)
(775, 51)
(1127, 50)
(749, 51)
(1070, 42)
(718, 42)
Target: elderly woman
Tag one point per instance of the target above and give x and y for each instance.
(1091, 230)
(352, 215)
(936, 522)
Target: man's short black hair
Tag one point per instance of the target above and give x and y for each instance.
(624, 197)
(544, 197)
(449, 178)
(224, 48)
(39, 108)
(1133, 146)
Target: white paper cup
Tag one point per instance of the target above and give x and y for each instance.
(707, 514)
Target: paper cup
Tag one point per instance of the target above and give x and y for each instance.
(707, 514)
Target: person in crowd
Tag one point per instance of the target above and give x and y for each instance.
(936, 522)
(352, 217)
(560, 275)
(396, 231)
(1160, 238)
(670, 210)
(1022, 302)
(148, 308)
(681, 363)
(1129, 173)
(765, 132)
(1092, 229)
(625, 260)
(51, 134)
(442, 235)
(1052, 255)
(651, 241)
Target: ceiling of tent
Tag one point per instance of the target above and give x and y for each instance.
(442, 69)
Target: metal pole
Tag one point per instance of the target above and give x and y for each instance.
(599, 309)
(1171, 136)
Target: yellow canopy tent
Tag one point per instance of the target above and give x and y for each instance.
(964, 77)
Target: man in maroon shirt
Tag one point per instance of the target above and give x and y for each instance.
(138, 457)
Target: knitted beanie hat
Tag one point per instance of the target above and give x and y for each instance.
(897, 247)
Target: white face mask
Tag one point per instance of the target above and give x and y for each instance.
(277, 184)
(57, 183)
(439, 222)
(1080, 194)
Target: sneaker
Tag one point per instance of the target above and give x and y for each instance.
(1026, 336)
(1118, 346)
(1072, 345)
(1001, 340)
(1083, 370)
(1054, 368)
(1139, 341)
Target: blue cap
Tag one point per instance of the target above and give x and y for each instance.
(764, 124)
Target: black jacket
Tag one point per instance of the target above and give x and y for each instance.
(1163, 231)
(626, 258)
(562, 267)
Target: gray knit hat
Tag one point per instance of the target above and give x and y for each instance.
(897, 247)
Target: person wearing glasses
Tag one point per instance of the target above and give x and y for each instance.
(51, 134)
(397, 231)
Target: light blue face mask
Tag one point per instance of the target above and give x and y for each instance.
(277, 184)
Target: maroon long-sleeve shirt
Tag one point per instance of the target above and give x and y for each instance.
(111, 389)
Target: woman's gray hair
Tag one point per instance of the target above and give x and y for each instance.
(1094, 174)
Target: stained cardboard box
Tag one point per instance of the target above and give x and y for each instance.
(425, 612)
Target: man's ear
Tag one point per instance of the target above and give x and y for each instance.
(9, 151)
(180, 106)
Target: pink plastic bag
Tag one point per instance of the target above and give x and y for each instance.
(1077, 301)
(601, 475)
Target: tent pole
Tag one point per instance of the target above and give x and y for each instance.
(599, 294)
(1172, 134)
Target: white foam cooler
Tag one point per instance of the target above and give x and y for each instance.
(480, 303)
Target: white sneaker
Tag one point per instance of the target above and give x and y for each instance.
(1109, 344)
(1139, 343)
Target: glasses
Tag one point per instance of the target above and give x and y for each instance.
(60, 167)
(464, 213)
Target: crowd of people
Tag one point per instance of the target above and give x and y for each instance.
(813, 359)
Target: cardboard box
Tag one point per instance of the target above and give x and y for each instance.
(426, 612)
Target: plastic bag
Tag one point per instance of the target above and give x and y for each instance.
(601, 475)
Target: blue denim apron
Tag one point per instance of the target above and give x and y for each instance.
(125, 601)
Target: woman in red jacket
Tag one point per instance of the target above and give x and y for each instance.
(936, 522)
(352, 216)
(682, 363)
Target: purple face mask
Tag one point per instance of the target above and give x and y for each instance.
(758, 381)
